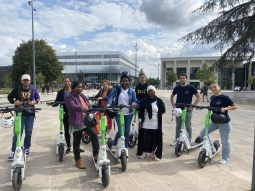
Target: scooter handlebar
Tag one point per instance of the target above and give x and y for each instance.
(102, 109)
(9, 109)
(120, 106)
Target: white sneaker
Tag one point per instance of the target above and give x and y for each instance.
(107, 135)
(173, 143)
(144, 155)
(223, 161)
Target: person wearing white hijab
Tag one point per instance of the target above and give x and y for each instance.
(150, 123)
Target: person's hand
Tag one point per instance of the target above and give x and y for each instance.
(174, 106)
(49, 103)
(133, 105)
(84, 110)
(18, 103)
(140, 125)
(190, 108)
(99, 98)
(106, 105)
(224, 109)
(31, 103)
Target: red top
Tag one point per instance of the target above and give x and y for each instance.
(103, 102)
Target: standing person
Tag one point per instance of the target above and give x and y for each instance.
(61, 96)
(102, 97)
(150, 121)
(43, 88)
(225, 103)
(205, 92)
(141, 87)
(47, 86)
(123, 94)
(184, 94)
(78, 104)
(24, 95)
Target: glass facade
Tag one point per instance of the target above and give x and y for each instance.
(168, 70)
(193, 71)
(181, 70)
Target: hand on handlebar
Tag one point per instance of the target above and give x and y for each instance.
(133, 105)
(18, 103)
(48, 103)
(99, 98)
(84, 110)
(190, 108)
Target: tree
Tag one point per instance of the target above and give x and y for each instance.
(6, 79)
(141, 71)
(232, 30)
(171, 77)
(205, 74)
(46, 61)
(81, 76)
(153, 81)
(250, 80)
(40, 78)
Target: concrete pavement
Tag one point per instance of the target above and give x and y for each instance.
(45, 172)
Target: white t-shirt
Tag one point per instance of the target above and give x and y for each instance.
(153, 122)
(124, 99)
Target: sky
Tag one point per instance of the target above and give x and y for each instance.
(101, 25)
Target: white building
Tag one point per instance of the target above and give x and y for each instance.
(190, 65)
(97, 65)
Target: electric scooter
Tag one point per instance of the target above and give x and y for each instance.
(133, 136)
(183, 142)
(121, 153)
(102, 164)
(61, 141)
(205, 153)
(18, 165)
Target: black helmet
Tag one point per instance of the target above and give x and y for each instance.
(124, 74)
(89, 120)
(218, 118)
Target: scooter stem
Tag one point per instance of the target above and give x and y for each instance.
(207, 121)
(134, 114)
(121, 123)
(102, 127)
(184, 112)
(17, 122)
(61, 117)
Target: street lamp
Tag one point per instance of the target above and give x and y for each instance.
(110, 69)
(158, 74)
(136, 49)
(75, 53)
(33, 42)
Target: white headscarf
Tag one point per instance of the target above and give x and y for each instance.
(150, 87)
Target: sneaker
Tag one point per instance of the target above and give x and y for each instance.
(144, 155)
(11, 156)
(153, 155)
(113, 149)
(223, 161)
(68, 150)
(107, 135)
(213, 151)
(27, 152)
(173, 143)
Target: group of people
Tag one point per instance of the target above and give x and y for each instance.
(143, 98)
(45, 86)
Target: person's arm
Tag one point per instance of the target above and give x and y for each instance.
(58, 98)
(71, 106)
(141, 113)
(198, 99)
(163, 106)
(231, 105)
(133, 100)
(172, 100)
(111, 97)
(98, 94)
(13, 95)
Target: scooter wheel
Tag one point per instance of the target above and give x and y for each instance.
(60, 153)
(105, 176)
(202, 159)
(85, 139)
(123, 163)
(16, 179)
(178, 149)
(131, 142)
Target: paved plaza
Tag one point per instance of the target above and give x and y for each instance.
(45, 173)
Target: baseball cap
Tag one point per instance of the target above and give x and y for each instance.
(25, 76)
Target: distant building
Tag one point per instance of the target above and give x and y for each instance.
(190, 66)
(97, 65)
(3, 70)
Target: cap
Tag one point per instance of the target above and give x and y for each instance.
(150, 87)
(25, 76)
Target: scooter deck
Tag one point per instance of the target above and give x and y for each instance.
(195, 144)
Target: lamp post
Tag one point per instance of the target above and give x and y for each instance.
(253, 168)
(110, 69)
(136, 49)
(75, 52)
(158, 74)
(33, 42)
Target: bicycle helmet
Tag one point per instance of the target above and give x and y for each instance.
(177, 112)
(218, 118)
(7, 122)
(89, 120)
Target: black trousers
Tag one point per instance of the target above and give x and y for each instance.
(77, 141)
(146, 133)
(66, 128)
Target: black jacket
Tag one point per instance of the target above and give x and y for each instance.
(99, 94)
(159, 142)
(141, 90)
(61, 97)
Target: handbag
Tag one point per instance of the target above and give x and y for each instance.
(111, 114)
(90, 120)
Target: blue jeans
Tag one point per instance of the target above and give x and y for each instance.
(127, 120)
(187, 124)
(224, 129)
(28, 122)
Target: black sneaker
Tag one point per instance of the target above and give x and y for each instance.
(81, 150)
(68, 150)
(27, 152)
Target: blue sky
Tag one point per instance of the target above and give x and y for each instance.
(94, 25)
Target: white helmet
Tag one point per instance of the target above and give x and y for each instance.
(177, 112)
(7, 122)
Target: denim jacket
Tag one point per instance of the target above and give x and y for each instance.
(112, 99)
